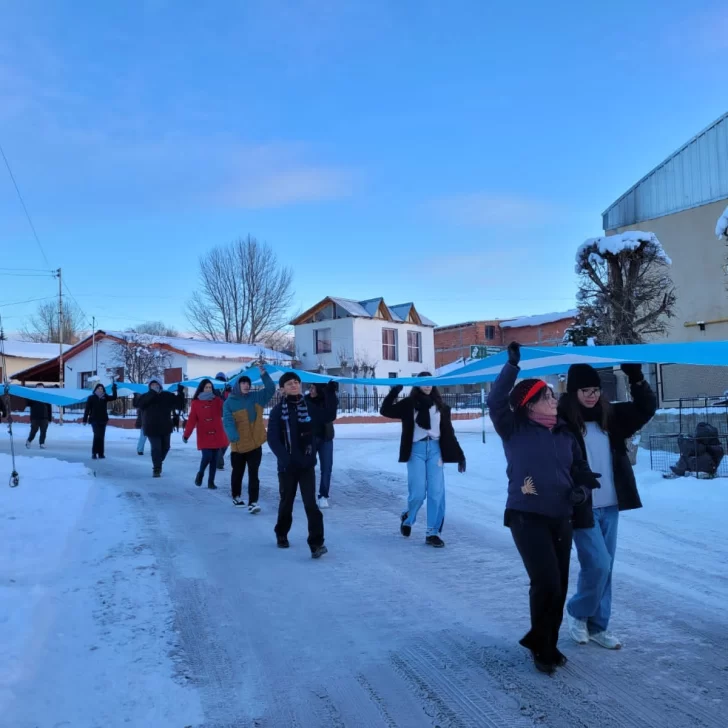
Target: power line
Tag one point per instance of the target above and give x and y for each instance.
(28, 270)
(29, 300)
(25, 275)
(22, 202)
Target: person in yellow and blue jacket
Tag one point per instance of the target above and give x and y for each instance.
(242, 418)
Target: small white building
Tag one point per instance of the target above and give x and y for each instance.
(20, 355)
(339, 336)
(99, 355)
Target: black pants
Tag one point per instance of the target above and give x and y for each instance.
(545, 548)
(221, 457)
(36, 425)
(160, 447)
(288, 483)
(239, 460)
(99, 429)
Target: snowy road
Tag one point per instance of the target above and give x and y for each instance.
(168, 607)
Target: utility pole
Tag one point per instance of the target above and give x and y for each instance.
(93, 343)
(60, 341)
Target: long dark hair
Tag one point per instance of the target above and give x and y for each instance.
(416, 393)
(573, 412)
(201, 388)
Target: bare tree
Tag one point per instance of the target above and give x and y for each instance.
(154, 328)
(625, 292)
(140, 357)
(42, 326)
(282, 341)
(245, 293)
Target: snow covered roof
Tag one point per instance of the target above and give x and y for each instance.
(538, 320)
(32, 350)
(367, 309)
(721, 229)
(630, 240)
(452, 366)
(211, 349)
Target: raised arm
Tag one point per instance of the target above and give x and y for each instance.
(499, 407)
(114, 394)
(391, 407)
(265, 395)
(631, 417)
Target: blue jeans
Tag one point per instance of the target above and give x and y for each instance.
(426, 479)
(595, 548)
(209, 457)
(142, 441)
(325, 450)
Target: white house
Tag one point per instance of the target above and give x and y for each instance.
(365, 338)
(20, 355)
(185, 359)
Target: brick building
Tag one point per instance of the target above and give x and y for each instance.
(454, 342)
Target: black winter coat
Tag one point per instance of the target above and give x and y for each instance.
(39, 410)
(3, 411)
(96, 410)
(322, 430)
(156, 411)
(405, 410)
(625, 419)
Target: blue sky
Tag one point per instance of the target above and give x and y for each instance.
(451, 154)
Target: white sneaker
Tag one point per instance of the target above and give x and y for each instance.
(42, 447)
(253, 508)
(606, 640)
(578, 629)
(323, 502)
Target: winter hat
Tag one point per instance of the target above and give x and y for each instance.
(221, 377)
(287, 377)
(158, 380)
(526, 391)
(582, 376)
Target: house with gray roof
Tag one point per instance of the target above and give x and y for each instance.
(369, 338)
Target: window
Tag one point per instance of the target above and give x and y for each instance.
(84, 377)
(173, 375)
(117, 373)
(489, 333)
(322, 341)
(389, 344)
(414, 346)
(393, 375)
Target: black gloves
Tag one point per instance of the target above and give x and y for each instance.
(461, 466)
(578, 495)
(396, 389)
(514, 353)
(332, 386)
(633, 372)
(586, 478)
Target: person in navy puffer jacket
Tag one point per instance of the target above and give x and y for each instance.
(547, 476)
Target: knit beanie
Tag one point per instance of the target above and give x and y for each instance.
(287, 377)
(582, 376)
(525, 391)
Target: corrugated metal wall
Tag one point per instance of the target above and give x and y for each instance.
(696, 174)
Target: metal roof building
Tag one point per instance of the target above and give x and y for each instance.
(695, 175)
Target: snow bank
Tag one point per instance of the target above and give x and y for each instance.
(721, 229)
(539, 320)
(594, 249)
(32, 350)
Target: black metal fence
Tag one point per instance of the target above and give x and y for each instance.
(680, 454)
(349, 403)
(692, 410)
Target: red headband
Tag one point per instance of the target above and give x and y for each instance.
(535, 389)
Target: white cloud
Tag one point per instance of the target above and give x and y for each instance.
(485, 209)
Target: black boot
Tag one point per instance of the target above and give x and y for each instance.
(404, 530)
(157, 472)
(211, 484)
(198, 479)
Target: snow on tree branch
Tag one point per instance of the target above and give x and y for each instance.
(721, 229)
(625, 292)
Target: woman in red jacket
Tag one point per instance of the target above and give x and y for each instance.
(206, 416)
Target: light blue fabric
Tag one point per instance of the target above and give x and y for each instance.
(595, 548)
(426, 479)
(141, 442)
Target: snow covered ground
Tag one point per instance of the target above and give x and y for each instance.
(127, 601)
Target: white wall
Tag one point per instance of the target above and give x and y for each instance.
(342, 338)
(362, 339)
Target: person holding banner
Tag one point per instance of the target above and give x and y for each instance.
(547, 476)
(156, 407)
(323, 439)
(97, 414)
(206, 417)
(602, 429)
(41, 415)
(428, 442)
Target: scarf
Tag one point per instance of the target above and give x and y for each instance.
(548, 421)
(591, 414)
(296, 407)
(100, 396)
(423, 403)
(206, 396)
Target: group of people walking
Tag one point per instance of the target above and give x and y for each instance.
(568, 468)
(569, 476)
